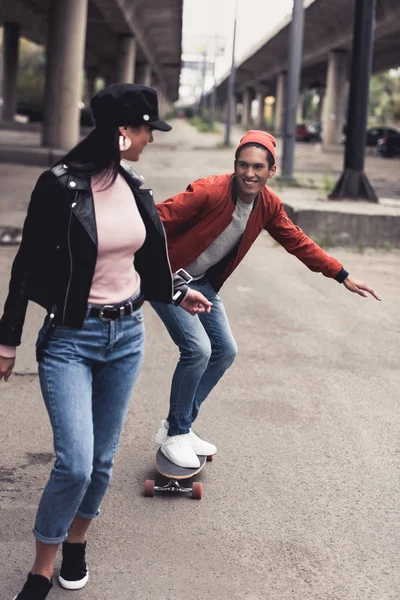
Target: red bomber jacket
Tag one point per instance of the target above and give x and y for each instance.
(195, 218)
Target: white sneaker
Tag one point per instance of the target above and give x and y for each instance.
(178, 449)
(162, 433)
(201, 447)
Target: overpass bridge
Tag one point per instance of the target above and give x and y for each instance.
(118, 40)
(328, 34)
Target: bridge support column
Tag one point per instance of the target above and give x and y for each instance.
(65, 58)
(126, 59)
(143, 74)
(335, 99)
(261, 95)
(247, 100)
(10, 69)
(280, 95)
(300, 108)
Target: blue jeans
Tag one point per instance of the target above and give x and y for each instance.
(207, 350)
(87, 378)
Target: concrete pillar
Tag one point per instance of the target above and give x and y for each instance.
(261, 95)
(334, 105)
(161, 102)
(280, 103)
(300, 108)
(237, 115)
(10, 69)
(65, 59)
(126, 59)
(246, 112)
(91, 76)
(143, 74)
(219, 110)
(320, 111)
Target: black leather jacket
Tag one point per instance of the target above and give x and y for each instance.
(56, 260)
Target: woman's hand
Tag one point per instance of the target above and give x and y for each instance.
(6, 367)
(194, 303)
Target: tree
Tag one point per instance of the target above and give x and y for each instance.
(385, 96)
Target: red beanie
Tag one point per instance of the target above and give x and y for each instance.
(259, 137)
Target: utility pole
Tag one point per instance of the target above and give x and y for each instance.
(231, 87)
(353, 182)
(293, 84)
(213, 99)
(203, 84)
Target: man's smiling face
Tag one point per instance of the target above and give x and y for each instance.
(252, 172)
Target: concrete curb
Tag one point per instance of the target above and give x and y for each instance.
(37, 157)
(339, 228)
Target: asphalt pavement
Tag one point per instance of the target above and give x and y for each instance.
(301, 501)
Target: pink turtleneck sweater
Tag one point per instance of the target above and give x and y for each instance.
(120, 233)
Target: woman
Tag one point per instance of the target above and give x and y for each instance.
(82, 230)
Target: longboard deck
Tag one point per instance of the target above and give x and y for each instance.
(166, 468)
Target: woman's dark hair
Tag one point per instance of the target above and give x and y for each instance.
(97, 153)
(270, 158)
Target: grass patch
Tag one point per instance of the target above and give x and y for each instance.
(327, 184)
(323, 241)
(388, 246)
(202, 126)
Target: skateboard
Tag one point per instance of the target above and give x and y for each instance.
(174, 474)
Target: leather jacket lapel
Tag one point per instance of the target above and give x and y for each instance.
(82, 204)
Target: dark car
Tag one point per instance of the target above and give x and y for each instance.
(307, 133)
(373, 134)
(376, 133)
(389, 145)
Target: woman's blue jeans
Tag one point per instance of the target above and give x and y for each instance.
(207, 349)
(87, 378)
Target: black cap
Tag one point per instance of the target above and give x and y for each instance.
(127, 104)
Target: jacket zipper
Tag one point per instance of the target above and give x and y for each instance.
(169, 264)
(70, 262)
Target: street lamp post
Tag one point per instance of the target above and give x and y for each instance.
(353, 182)
(231, 87)
(293, 84)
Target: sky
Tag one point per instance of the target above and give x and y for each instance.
(209, 23)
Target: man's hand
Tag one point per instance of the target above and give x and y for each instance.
(194, 303)
(359, 287)
(6, 367)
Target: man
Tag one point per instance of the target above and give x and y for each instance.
(210, 227)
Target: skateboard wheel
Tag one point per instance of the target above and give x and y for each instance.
(210, 458)
(197, 490)
(149, 485)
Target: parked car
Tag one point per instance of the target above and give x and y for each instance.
(376, 133)
(373, 134)
(307, 133)
(389, 145)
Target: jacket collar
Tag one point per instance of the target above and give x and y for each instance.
(235, 193)
(80, 184)
(74, 180)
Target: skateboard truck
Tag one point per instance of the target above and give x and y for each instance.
(174, 474)
(173, 485)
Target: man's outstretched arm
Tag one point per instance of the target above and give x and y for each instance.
(295, 241)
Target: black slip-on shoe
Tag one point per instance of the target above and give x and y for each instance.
(36, 588)
(74, 574)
